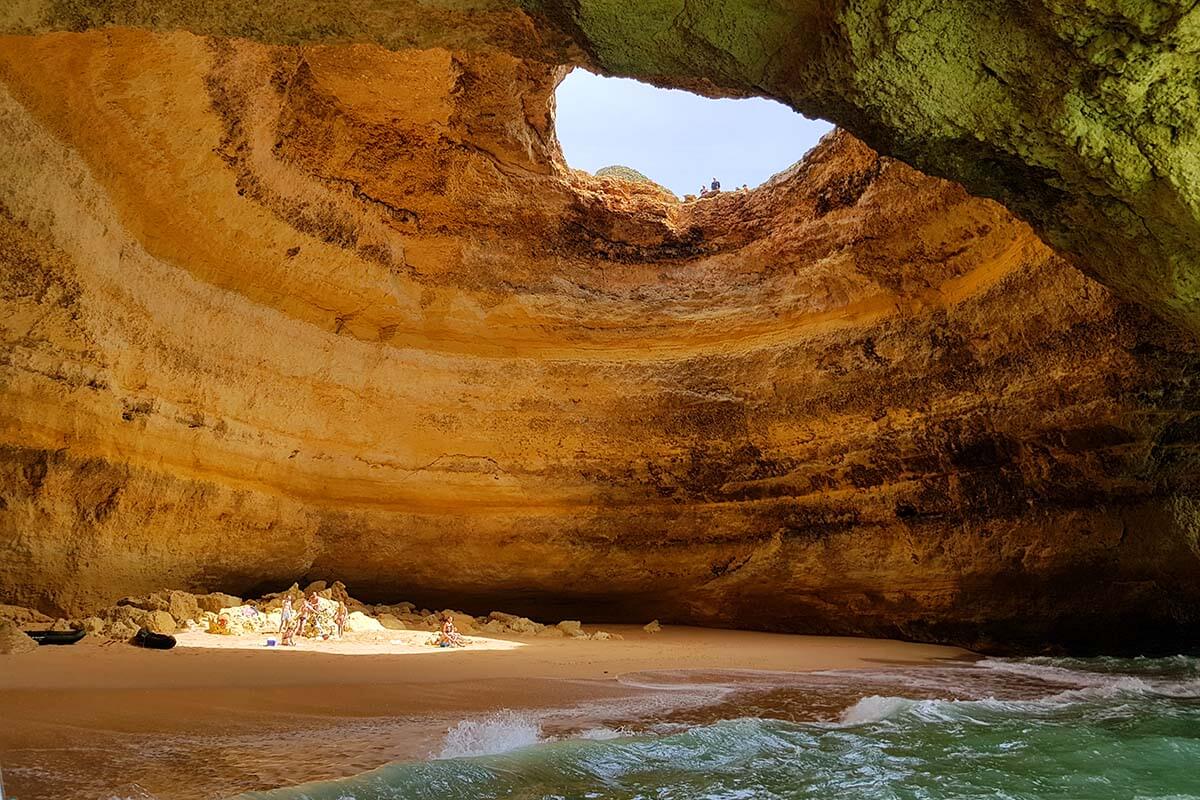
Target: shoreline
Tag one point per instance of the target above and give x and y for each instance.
(121, 719)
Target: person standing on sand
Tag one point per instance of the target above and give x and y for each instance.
(308, 614)
(340, 619)
(286, 615)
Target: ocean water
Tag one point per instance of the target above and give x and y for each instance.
(1075, 729)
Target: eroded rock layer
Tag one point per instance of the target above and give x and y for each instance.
(1081, 117)
(273, 313)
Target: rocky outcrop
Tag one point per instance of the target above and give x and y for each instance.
(1079, 117)
(169, 612)
(274, 313)
(14, 641)
(624, 173)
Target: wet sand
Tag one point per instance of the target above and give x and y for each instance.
(219, 715)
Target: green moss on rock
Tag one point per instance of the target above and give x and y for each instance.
(623, 173)
(1082, 117)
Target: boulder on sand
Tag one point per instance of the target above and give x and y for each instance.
(215, 601)
(13, 640)
(391, 622)
(126, 613)
(524, 625)
(122, 629)
(339, 592)
(182, 607)
(512, 623)
(572, 627)
(159, 622)
(358, 622)
(652, 626)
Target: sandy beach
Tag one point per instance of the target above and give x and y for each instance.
(223, 714)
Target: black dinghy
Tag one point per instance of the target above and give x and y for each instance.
(55, 637)
(154, 641)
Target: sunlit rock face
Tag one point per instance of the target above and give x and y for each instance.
(275, 312)
(1079, 117)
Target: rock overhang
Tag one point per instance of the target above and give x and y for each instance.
(1077, 119)
(359, 320)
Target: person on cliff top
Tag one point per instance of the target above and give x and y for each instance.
(704, 191)
(716, 185)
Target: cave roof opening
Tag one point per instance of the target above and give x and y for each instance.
(674, 138)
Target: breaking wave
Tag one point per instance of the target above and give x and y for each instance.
(1008, 729)
(875, 709)
(497, 733)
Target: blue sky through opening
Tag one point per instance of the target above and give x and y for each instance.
(676, 138)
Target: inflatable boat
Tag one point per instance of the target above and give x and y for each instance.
(154, 641)
(55, 637)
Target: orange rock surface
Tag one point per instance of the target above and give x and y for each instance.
(273, 313)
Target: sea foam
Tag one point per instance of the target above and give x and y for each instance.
(495, 733)
(875, 709)
(1092, 683)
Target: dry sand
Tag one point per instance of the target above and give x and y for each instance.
(222, 714)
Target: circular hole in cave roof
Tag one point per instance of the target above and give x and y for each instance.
(675, 138)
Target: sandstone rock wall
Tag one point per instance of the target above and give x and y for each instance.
(272, 313)
(1080, 117)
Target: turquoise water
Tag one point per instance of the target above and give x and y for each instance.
(1036, 728)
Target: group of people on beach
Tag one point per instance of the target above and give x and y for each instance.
(319, 616)
(319, 619)
(448, 636)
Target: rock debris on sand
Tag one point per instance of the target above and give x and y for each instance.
(218, 613)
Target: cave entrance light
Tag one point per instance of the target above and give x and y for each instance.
(675, 138)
